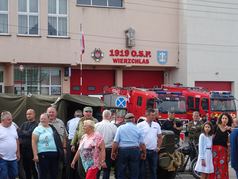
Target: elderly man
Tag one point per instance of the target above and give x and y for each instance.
(127, 144)
(87, 115)
(9, 147)
(25, 132)
(108, 131)
(60, 127)
(152, 135)
(195, 127)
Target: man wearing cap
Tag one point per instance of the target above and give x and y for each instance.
(128, 143)
(152, 135)
(87, 115)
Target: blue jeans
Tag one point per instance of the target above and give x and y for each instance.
(8, 169)
(151, 161)
(128, 158)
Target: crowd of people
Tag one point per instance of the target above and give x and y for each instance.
(85, 148)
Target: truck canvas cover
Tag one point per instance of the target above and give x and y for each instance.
(66, 104)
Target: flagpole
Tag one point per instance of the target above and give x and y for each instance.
(81, 59)
(81, 74)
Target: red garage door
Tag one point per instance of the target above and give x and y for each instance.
(214, 85)
(93, 81)
(143, 79)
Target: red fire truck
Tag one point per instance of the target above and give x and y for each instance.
(197, 99)
(208, 104)
(171, 101)
(222, 101)
(134, 100)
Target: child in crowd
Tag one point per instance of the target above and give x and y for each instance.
(204, 163)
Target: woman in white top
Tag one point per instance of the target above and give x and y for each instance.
(204, 163)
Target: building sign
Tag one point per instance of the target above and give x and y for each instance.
(125, 56)
(162, 57)
(97, 54)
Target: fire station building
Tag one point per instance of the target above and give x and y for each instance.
(82, 46)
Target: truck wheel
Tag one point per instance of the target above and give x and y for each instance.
(192, 168)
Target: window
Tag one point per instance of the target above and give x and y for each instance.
(3, 16)
(37, 80)
(150, 103)
(190, 103)
(57, 18)
(91, 88)
(103, 3)
(223, 105)
(28, 13)
(205, 104)
(197, 104)
(139, 101)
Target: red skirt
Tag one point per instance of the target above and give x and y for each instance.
(220, 162)
(92, 173)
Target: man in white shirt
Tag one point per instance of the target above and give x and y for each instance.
(108, 131)
(71, 127)
(73, 123)
(9, 147)
(152, 135)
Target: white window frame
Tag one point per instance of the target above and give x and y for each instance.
(50, 86)
(57, 15)
(39, 85)
(7, 13)
(91, 4)
(28, 14)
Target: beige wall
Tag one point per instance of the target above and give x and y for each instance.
(156, 29)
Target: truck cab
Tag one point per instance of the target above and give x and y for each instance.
(222, 101)
(197, 99)
(135, 100)
(171, 101)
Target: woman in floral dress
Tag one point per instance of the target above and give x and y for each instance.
(91, 151)
(220, 147)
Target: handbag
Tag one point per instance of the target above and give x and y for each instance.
(58, 143)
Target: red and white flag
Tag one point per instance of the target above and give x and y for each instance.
(82, 43)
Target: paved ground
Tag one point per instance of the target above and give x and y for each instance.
(188, 176)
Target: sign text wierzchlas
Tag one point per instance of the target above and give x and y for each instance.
(125, 56)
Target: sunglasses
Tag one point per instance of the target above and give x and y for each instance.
(88, 111)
